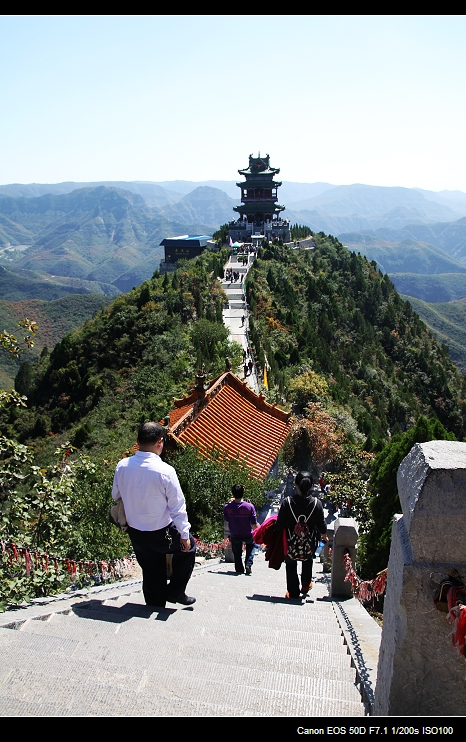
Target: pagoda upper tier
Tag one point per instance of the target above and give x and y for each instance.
(259, 212)
(259, 166)
(259, 191)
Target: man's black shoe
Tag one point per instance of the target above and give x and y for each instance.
(184, 600)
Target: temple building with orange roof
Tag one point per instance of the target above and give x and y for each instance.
(227, 415)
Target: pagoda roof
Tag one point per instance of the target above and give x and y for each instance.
(265, 171)
(232, 418)
(259, 166)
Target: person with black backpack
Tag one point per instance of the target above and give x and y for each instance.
(302, 515)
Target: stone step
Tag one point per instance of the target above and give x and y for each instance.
(37, 695)
(114, 659)
(31, 694)
(266, 621)
(138, 637)
(254, 688)
(84, 622)
(242, 649)
(83, 659)
(260, 601)
(98, 625)
(305, 622)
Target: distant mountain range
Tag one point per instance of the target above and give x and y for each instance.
(210, 205)
(322, 206)
(57, 239)
(163, 192)
(105, 237)
(408, 256)
(153, 194)
(448, 236)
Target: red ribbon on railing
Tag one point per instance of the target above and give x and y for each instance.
(214, 548)
(28, 561)
(452, 598)
(364, 590)
(34, 560)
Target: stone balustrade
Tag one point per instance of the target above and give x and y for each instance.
(419, 672)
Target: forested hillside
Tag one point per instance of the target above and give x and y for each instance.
(342, 348)
(328, 311)
(85, 401)
(447, 320)
(56, 318)
(127, 363)
(335, 312)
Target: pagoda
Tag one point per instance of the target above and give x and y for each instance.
(259, 212)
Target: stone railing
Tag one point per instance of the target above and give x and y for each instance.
(420, 673)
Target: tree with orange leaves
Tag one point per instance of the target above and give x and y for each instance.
(314, 440)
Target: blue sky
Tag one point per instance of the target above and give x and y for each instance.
(341, 99)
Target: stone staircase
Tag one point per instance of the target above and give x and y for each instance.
(241, 650)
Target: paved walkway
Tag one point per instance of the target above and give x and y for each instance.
(241, 650)
(236, 310)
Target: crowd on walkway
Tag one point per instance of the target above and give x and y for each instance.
(233, 276)
(236, 316)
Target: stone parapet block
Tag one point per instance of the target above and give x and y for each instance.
(419, 672)
(432, 489)
(344, 541)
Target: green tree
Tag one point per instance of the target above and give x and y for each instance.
(384, 502)
(307, 387)
(206, 483)
(207, 338)
(221, 235)
(24, 378)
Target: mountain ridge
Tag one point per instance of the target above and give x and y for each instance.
(102, 235)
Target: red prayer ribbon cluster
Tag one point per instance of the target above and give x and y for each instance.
(456, 616)
(210, 550)
(34, 560)
(364, 590)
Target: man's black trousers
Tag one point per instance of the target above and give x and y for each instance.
(151, 548)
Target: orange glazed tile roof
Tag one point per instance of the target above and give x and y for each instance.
(231, 417)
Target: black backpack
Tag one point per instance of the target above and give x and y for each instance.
(301, 542)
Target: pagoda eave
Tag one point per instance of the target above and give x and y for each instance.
(258, 208)
(268, 172)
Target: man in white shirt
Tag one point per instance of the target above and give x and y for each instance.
(157, 520)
